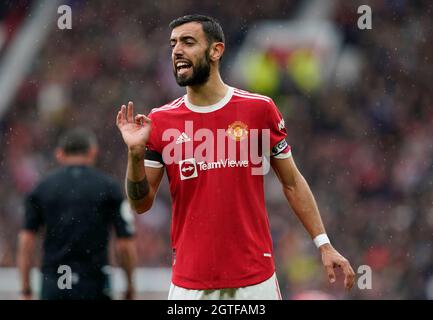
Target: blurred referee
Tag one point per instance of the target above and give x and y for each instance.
(77, 205)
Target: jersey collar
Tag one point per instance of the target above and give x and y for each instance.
(206, 109)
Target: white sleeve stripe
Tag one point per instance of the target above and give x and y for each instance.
(152, 164)
(283, 155)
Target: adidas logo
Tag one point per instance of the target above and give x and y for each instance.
(183, 138)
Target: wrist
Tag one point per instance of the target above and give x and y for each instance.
(137, 153)
(326, 247)
(321, 241)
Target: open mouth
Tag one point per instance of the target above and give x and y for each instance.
(182, 67)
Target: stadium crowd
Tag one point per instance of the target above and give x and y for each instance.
(366, 149)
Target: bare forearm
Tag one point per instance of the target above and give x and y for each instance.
(302, 201)
(25, 266)
(304, 205)
(24, 260)
(127, 261)
(136, 184)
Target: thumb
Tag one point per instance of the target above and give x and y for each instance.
(141, 119)
(331, 274)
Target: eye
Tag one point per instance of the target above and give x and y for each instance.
(190, 42)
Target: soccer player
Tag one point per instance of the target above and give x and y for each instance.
(221, 243)
(78, 205)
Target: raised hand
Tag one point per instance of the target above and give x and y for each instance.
(135, 130)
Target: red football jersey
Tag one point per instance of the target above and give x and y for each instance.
(213, 157)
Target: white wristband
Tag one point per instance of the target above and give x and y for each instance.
(321, 239)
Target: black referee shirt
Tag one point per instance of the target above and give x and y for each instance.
(78, 205)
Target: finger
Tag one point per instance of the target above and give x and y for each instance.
(139, 119)
(130, 114)
(121, 115)
(119, 118)
(330, 272)
(123, 112)
(147, 120)
(349, 275)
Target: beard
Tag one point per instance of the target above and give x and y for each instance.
(200, 73)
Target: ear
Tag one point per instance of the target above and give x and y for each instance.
(60, 155)
(93, 153)
(216, 51)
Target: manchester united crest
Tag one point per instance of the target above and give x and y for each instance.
(237, 130)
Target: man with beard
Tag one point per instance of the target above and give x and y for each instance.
(221, 242)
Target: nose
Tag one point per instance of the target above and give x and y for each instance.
(177, 51)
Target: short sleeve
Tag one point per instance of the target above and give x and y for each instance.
(278, 133)
(122, 219)
(153, 157)
(33, 216)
